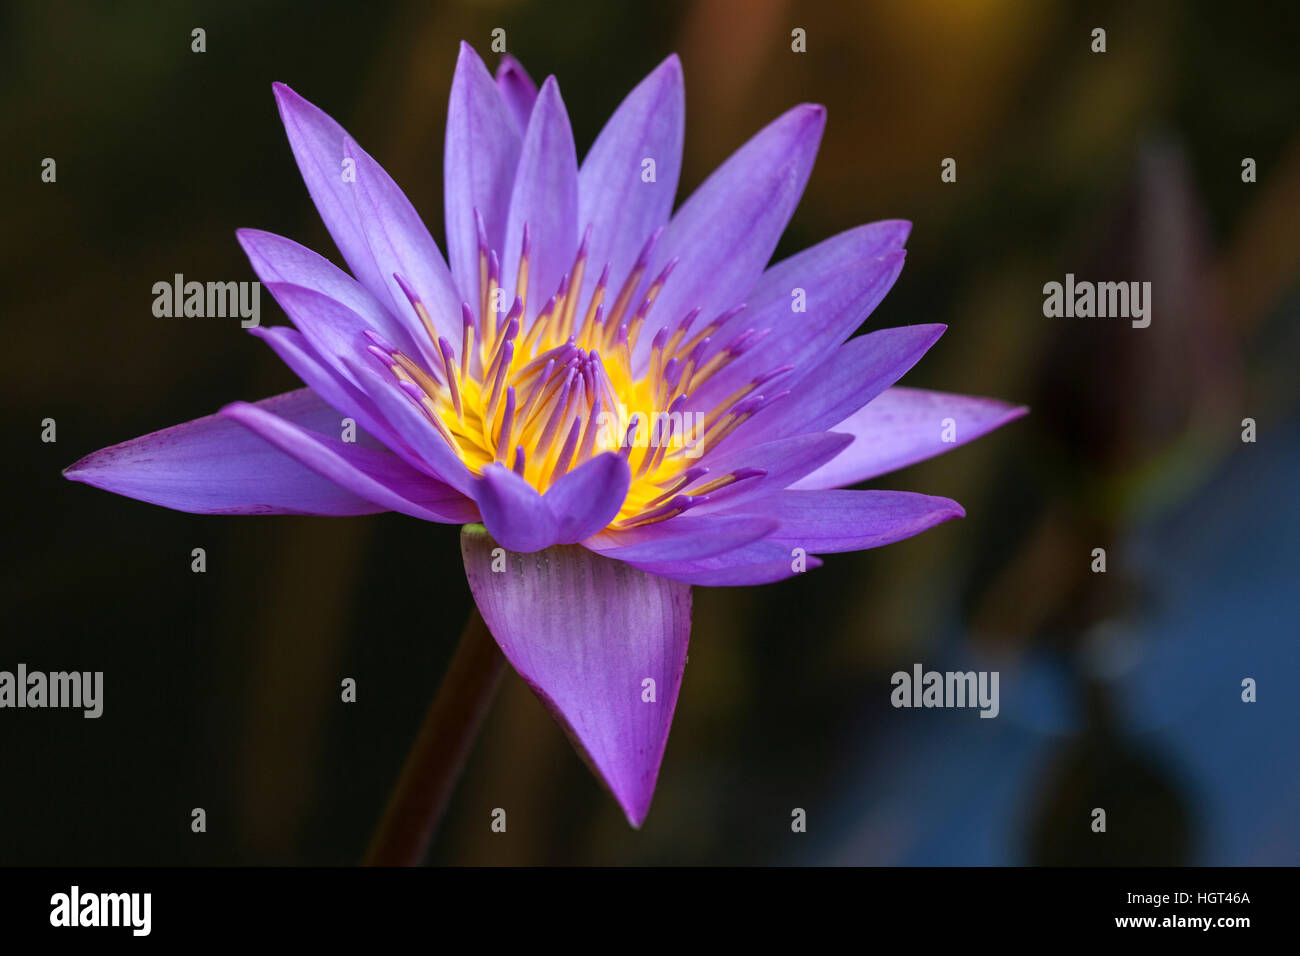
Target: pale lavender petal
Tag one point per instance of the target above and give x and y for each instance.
(545, 200)
(400, 244)
(825, 273)
(840, 520)
(317, 143)
(276, 259)
(335, 332)
(613, 196)
(373, 224)
(336, 336)
(783, 462)
(837, 283)
(589, 497)
(517, 90)
(724, 235)
(282, 262)
(830, 392)
(603, 646)
(902, 426)
(761, 562)
(340, 394)
(513, 512)
(213, 465)
(436, 456)
(744, 575)
(377, 476)
(481, 152)
(684, 538)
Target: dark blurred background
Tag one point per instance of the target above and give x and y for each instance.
(1119, 690)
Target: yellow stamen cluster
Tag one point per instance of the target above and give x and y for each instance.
(544, 399)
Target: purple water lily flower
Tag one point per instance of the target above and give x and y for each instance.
(618, 401)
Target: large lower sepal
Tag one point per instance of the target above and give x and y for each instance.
(602, 644)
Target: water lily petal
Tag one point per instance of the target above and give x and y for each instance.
(603, 646)
(825, 261)
(317, 142)
(724, 235)
(837, 284)
(338, 392)
(437, 457)
(846, 520)
(761, 562)
(336, 310)
(782, 462)
(588, 498)
(853, 375)
(400, 244)
(276, 259)
(513, 511)
(213, 465)
(902, 426)
(378, 476)
(614, 197)
(684, 538)
(545, 200)
(335, 334)
(481, 153)
(518, 90)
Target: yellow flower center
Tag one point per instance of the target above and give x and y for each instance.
(545, 399)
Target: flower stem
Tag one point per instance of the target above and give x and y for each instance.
(438, 755)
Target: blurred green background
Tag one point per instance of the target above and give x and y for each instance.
(1119, 690)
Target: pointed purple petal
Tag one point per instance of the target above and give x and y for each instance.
(276, 259)
(400, 244)
(841, 284)
(481, 152)
(783, 462)
(213, 465)
(513, 512)
(545, 199)
(902, 426)
(334, 331)
(613, 197)
(872, 240)
(438, 458)
(340, 394)
(370, 218)
(336, 336)
(831, 521)
(684, 538)
(761, 562)
(377, 476)
(725, 233)
(853, 375)
(588, 498)
(318, 146)
(589, 635)
(518, 90)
